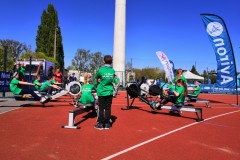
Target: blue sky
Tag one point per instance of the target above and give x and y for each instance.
(174, 27)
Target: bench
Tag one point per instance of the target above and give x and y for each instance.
(194, 99)
(72, 114)
(174, 109)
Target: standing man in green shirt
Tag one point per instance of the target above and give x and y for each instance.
(105, 93)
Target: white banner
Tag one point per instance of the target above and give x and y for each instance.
(167, 66)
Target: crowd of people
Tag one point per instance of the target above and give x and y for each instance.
(99, 91)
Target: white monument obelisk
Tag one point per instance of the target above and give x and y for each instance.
(119, 40)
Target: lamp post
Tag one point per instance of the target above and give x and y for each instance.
(55, 42)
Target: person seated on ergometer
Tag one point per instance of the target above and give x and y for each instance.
(48, 87)
(87, 95)
(16, 90)
(177, 98)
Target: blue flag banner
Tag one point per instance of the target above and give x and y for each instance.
(221, 43)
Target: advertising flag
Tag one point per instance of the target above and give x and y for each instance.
(221, 43)
(167, 66)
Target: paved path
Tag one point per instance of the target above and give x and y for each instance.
(8, 104)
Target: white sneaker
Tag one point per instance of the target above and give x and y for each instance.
(43, 99)
(48, 97)
(76, 105)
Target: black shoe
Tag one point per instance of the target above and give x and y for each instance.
(99, 126)
(159, 107)
(107, 126)
(76, 105)
(153, 105)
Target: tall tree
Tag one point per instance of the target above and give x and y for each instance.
(213, 76)
(138, 74)
(81, 60)
(205, 75)
(49, 38)
(14, 50)
(194, 71)
(96, 62)
(151, 73)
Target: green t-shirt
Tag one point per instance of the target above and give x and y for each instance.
(14, 86)
(116, 80)
(53, 81)
(87, 96)
(36, 82)
(197, 90)
(45, 85)
(22, 71)
(171, 87)
(181, 97)
(106, 75)
(182, 77)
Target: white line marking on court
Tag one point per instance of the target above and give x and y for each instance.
(10, 110)
(163, 135)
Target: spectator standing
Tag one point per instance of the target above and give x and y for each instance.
(50, 71)
(58, 75)
(72, 77)
(105, 93)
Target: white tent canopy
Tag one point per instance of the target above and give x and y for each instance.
(190, 76)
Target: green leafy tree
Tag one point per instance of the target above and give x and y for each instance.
(26, 55)
(14, 50)
(70, 68)
(39, 55)
(96, 62)
(213, 76)
(138, 74)
(205, 76)
(48, 32)
(151, 73)
(194, 71)
(81, 60)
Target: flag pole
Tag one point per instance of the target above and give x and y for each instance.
(232, 55)
(237, 105)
